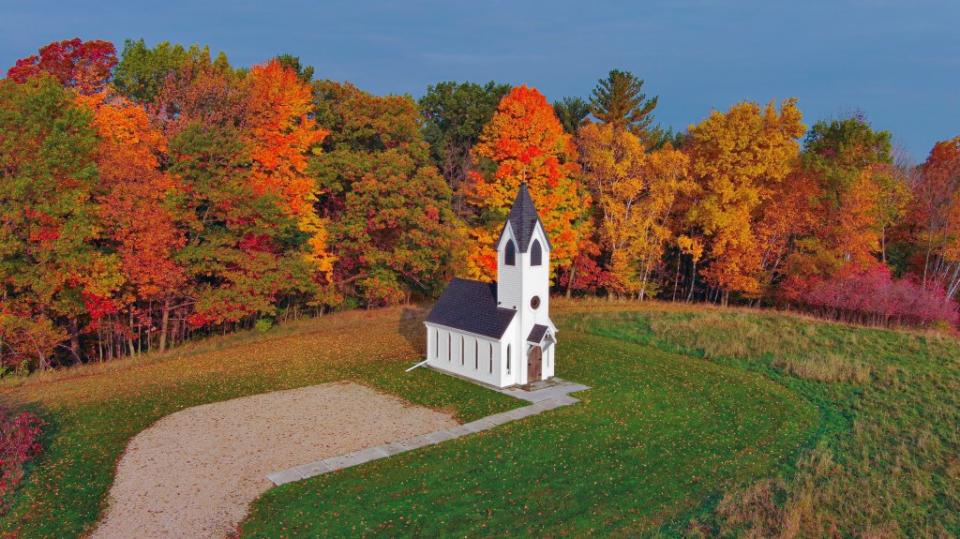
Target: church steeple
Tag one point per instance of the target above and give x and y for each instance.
(523, 258)
(523, 219)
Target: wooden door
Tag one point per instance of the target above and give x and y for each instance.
(534, 364)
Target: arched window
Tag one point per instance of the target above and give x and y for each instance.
(536, 253)
(510, 256)
(508, 359)
(436, 343)
(490, 357)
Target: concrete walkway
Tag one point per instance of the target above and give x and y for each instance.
(548, 395)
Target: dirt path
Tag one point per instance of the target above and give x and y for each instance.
(194, 472)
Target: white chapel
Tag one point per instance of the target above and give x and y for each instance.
(500, 333)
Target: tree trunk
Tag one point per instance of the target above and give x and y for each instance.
(164, 322)
(75, 340)
(676, 279)
(693, 281)
(573, 275)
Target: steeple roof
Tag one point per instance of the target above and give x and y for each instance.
(523, 219)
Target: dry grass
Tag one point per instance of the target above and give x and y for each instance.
(297, 345)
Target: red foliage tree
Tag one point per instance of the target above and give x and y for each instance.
(84, 65)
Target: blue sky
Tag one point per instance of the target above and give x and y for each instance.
(898, 62)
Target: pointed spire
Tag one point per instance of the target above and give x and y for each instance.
(523, 218)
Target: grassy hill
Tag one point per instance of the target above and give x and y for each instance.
(700, 421)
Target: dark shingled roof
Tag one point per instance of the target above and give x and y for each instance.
(471, 306)
(523, 219)
(537, 333)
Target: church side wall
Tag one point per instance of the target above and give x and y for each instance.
(465, 354)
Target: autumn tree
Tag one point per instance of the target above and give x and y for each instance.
(524, 142)
(48, 250)
(737, 158)
(572, 112)
(82, 65)
(133, 205)
(619, 100)
(454, 115)
(202, 90)
(860, 194)
(240, 244)
(281, 134)
(935, 213)
(390, 210)
(635, 193)
(787, 219)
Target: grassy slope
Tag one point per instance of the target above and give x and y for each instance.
(887, 462)
(655, 438)
(881, 458)
(94, 411)
(641, 456)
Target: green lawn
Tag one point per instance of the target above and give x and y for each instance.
(658, 436)
(700, 421)
(93, 415)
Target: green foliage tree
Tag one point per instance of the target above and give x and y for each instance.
(571, 111)
(454, 115)
(391, 220)
(142, 70)
(860, 194)
(241, 248)
(619, 100)
(49, 260)
(304, 72)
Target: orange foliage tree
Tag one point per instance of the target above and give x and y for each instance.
(134, 203)
(524, 142)
(281, 135)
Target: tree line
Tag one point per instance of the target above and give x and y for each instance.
(162, 193)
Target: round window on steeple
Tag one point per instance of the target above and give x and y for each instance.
(535, 302)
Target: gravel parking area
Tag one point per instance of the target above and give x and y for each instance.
(194, 472)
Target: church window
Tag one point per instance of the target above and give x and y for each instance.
(510, 257)
(536, 254)
(508, 359)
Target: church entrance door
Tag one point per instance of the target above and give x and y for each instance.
(534, 364)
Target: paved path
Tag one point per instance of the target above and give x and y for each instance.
(554, 393)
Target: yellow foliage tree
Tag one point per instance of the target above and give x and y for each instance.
(635, 193)
(737, 158)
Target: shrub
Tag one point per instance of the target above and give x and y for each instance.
(263, 325)
(19, 442)
(873, 296)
